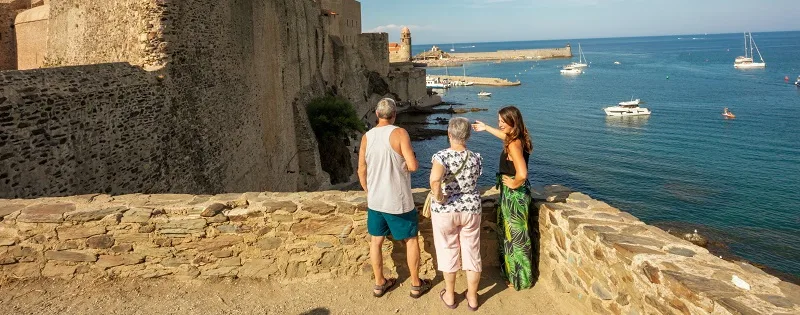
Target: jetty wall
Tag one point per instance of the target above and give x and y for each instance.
(547, 53)
(607, 260)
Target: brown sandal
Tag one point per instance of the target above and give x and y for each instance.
(384, 288)
(424, 286)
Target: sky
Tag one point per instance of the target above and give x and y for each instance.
(467, 21)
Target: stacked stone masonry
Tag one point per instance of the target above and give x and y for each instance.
(616, 264)
(606, 259)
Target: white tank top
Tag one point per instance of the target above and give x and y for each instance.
(388, 182)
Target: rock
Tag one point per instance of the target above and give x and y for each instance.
(150, 228)
(627, 252)
(330, 260)
(66, 255)
(321, 226)
(296, 269)
(7, 260)
(122, 248)
(78, 232)
(26, 270)
(45, 213)
(58, 271)
(219, 218)
(242, 214)
(92, 214)
(318, 207)
(696, 239)
(224, 253)
(223, 271)
(611, 239)
(681, 251)
(777, 300)
(272, 206)
(652, 273)
(736, 307)
(269, 243)
(213, 210)
(217, 243)
(100, 241)
(182, 225)
(227, 229)
(137, 215)
(8, 236)
(230, 261)
(258, 268)
(6, 209)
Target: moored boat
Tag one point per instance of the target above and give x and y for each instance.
(571, 70)
(747, 61)
(626, 110)
(482, 93)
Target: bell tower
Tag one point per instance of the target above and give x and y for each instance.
(405, 44)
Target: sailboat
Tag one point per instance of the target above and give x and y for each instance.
(464, 78)
(582, 63)
(746, 61)
(454, 48)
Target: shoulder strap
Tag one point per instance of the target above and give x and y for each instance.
(461, 168)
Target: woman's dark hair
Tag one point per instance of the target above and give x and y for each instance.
(513, 118)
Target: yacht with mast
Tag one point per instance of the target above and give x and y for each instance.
(582, 62)
(746, 61)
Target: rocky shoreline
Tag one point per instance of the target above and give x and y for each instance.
(415, 119)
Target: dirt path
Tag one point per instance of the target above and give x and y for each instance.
(346, 296)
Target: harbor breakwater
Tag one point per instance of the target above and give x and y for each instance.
(478, 80)
(520, 54)
(607, 260)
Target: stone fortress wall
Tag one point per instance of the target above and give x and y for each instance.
(606, 259)
(216, 105)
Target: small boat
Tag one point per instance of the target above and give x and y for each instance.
(746, 61)
(631, 102)
(436, 84)
(582, 63)
(727, 114)
(616, 62)
(571, 70)
(626, 110)
(482, 93)
(797, 83)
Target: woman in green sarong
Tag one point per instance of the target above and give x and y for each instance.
(512, 214)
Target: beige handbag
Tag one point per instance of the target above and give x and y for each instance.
(426, 207)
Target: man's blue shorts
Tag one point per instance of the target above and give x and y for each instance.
(401, 226)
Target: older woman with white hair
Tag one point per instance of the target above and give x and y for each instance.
(456, 213)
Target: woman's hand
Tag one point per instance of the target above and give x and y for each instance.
(509, 182)
(479, 126)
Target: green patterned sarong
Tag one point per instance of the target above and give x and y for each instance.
(515, 242)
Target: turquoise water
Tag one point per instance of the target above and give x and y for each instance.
(738, 179)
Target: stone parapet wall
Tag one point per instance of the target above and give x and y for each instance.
(276, 236)
(616, 264)
(607, 260)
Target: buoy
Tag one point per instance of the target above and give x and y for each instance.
(786, 78)
(667, 77)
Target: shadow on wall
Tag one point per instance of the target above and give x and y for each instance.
(317, 311)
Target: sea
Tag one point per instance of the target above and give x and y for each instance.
(734, 180)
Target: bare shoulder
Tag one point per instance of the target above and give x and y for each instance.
(399, 133)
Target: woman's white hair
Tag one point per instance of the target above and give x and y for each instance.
(459, 129)
(386, 108)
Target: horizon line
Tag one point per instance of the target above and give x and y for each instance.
(572, 39)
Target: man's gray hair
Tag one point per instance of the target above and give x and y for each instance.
(386, 108)
(459, 129)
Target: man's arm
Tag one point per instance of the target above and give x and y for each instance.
(407, 151)
(362, 162)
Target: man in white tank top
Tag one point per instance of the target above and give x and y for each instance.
(385, 162)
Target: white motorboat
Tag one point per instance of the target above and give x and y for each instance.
(436, 84)
(571, 70)
(746, 61)
(582, 63)
(482, 93)
(626, 110)
(797, 83)
(616, 62)
(631, 102)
